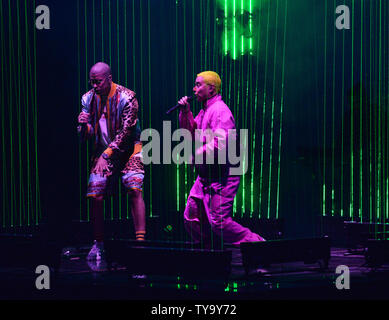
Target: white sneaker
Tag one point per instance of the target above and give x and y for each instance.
(96, 252)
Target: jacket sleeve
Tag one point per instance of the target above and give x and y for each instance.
(124, 137)
(187, 121)
(85, 131)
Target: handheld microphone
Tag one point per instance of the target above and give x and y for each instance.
(178, 105)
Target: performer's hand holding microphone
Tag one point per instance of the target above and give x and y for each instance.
(182, 103)
(83, 119)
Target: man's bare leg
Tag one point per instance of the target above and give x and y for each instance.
(138, 213)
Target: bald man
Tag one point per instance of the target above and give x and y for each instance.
(109, 118)
(209, 206)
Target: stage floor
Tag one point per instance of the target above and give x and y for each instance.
(78, 279)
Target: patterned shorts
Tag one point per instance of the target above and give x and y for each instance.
(132, 177)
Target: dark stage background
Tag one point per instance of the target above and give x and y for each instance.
(313, 98)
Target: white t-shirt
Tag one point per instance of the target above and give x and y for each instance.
(103, 128)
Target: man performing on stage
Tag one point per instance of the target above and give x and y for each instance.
(211, 198)
(110, 117)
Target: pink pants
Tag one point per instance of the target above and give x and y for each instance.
(209, 209)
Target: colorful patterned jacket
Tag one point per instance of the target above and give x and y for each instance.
(122, 119)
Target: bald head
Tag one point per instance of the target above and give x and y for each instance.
(101, 68)
(100, 76)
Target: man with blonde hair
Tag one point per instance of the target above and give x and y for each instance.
(209, 206)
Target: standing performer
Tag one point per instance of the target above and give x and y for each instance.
(211, 198)
(110, 117)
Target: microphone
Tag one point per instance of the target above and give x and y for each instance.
(178, 105)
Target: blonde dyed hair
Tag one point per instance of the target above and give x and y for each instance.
(211, 77)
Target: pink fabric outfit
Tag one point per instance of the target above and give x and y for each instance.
(209, 206)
